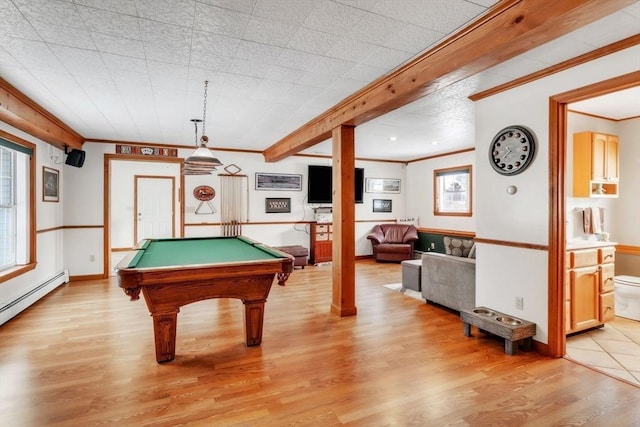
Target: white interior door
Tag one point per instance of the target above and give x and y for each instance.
(154, 207)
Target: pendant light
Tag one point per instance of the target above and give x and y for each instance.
(202, 161)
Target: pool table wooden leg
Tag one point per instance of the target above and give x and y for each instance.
(253, 321)
(164, 330)
(282, 278)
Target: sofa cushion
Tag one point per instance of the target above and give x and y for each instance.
(457, 247)
(397, 248)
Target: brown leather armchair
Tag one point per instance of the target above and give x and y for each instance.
(393, 242)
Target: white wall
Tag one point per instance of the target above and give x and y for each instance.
(49, 241)
(84, 203)
(625, 224)
(83, 207)
(505, 272)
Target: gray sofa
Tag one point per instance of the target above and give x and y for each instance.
(449, 280)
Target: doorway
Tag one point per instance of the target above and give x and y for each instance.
(557, 233)
(120, 201)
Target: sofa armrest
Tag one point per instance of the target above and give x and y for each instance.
(411, 235)
(376, 236)
(449, 280)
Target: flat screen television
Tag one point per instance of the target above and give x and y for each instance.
(320, 184)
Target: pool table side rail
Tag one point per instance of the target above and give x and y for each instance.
(124, 265)
(132, 259)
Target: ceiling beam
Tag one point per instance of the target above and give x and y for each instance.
(510, 28)
(23, 113)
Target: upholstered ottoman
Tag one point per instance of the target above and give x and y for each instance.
(411, 274)
(299, 253)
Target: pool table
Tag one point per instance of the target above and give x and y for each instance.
(176, 272)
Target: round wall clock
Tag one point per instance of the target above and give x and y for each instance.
(512, 150)
(204, 193)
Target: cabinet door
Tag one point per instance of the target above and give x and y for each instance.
(598, 157)
(323, 251)
(585, 298)
(611, 158)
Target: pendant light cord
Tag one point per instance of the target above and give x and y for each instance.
(204, 113)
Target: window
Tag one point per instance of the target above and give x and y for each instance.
(452, 191)
(17, 243)
(8, 210)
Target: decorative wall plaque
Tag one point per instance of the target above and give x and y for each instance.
(277, 205)
(382, 205)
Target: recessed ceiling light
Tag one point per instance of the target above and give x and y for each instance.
(434, 143)
(393, 138)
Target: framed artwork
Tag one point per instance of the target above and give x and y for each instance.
(50, 184)
(382, 205)
(452, 191)
(277, 205)
(278, 181)
(382, 185)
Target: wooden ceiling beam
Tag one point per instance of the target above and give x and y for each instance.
(510, 28)
(25, 114)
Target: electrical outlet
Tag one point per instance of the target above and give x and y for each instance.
(92, 258)
(433, 246)
(519, 303)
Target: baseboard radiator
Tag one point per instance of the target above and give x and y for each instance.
(21, 303)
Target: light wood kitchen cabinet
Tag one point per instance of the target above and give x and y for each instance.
(589, 297)
(321, 243)
(595, 165)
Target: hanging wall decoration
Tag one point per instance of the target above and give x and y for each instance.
(204, 194)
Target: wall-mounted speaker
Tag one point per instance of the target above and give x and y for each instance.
(75, 158)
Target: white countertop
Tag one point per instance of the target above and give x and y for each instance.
(584, 244)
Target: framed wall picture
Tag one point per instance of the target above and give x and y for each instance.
(382, 185)
(277, 205)
(50, 184)
(382, 205)
(278, 181)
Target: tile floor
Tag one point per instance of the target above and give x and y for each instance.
(613, 349)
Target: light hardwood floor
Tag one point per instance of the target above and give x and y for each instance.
(84, 356)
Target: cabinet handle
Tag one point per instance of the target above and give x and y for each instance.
(608, 256)
(608, 279)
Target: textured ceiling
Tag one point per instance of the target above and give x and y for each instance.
(134, 70)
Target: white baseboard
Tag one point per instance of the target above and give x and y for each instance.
(22, 302)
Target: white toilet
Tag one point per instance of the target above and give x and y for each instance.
(627, 296)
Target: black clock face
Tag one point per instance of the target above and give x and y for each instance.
(512, 150)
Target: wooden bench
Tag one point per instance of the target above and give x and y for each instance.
(514, 331)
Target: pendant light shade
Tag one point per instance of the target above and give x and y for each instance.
(203, 157)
